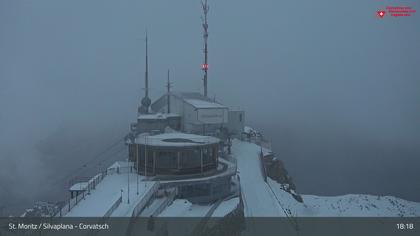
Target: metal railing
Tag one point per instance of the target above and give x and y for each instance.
(170, 195)
(257, 138)
(92, 184)
(72, 202)
(113, 207)
(145, 199)
(156, 141)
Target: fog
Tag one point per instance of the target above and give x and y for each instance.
(333, 87)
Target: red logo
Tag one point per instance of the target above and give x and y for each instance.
(381, 13)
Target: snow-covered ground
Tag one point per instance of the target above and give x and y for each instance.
(184, 208)
(257, 196)
(107, 192)
(151, 209)
(351, 205)
(265, 199)
(260, 198)
(226, 207)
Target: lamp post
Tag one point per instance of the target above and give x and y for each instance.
(145, 161)
(145, 158)
(137, 167)
(128, 182)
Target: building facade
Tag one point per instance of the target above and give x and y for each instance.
(174, 154)
(199, 114)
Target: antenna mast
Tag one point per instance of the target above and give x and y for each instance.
(168, 86)
(146, 73)
(145, 102)
(205, 66)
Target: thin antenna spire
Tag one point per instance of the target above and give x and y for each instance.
(128, 181)
(169, 86)
(205, 66)
(146, 86)
(145, 102)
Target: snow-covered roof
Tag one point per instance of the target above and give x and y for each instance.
(175, 139)
(161, 102)
(79, 186)
(198, 103)
(249, 130)
(156, 116)
(190, 95)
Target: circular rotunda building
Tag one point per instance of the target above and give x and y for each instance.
(174, 154)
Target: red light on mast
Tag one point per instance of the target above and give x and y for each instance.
(381, 13)
(205, 66)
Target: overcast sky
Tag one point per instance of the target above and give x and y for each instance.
(327, 81)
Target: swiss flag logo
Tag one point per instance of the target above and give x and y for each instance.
(381, 13)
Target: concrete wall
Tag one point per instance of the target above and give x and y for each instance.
(204, 121)
(236, 123)
(212, 115)
(195, 120)
(189, 115)
(148, 125)
(205, 192)
(205, 115)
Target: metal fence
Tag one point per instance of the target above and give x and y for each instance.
(92, 184)
(194, 140)
(170, 195)
(113, 207)
(256, 138)
(145, 199)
